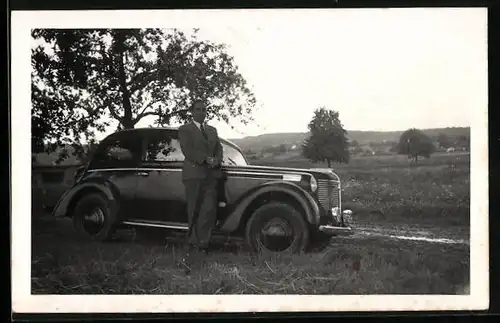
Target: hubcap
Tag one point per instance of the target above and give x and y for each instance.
(93, 221)
(276, 235)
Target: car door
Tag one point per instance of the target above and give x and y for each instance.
(160, 192)
(115, 163)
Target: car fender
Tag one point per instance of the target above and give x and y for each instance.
(307, 202)
(64, 204)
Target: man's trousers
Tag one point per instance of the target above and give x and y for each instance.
(201, 198)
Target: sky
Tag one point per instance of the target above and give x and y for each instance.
(381, 70)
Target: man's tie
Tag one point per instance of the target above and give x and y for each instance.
(202, 128)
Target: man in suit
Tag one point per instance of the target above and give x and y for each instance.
(202, 150)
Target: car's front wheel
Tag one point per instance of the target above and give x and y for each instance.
(277, 227)
(93, 218)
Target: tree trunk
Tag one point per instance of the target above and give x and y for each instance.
(126, 121)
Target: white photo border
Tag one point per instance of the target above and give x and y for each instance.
(23, 302)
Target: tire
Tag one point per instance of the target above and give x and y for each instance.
(93, 218)
(284, 217)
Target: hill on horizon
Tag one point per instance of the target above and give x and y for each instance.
(363, 137)
(258, 143)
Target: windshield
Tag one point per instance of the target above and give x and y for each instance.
(232, 157)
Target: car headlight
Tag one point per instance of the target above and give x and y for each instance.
(314, 184)
(347, 217)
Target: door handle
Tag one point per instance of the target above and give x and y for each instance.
(143, 173)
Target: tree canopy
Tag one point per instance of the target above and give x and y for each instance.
(83, 80)
(415, 143)
(327, 140)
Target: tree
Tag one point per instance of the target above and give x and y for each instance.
(414, 143)
(463, 141)
(83, 80)
(282, 148)
(444, 141)
(327, 140)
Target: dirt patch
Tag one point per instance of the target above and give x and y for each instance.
(453, 235)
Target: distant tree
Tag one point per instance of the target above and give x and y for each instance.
(84, 78)
(354, 143)
(463, 141)
(355, 147)
(378, 144)
(327, 140)
(268, 149)
(415, 143)
(282, 148)
(444, 141)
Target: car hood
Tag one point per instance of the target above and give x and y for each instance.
(317, 172)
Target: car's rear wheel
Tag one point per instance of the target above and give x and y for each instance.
(277, 227)
(93, 218)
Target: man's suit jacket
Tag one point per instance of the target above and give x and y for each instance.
(197, 149)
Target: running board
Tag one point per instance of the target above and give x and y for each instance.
(157, 224)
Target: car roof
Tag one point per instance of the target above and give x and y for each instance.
(150, 129)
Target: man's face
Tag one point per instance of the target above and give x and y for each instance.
(199, 112)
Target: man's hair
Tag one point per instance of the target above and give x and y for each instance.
(191, 108)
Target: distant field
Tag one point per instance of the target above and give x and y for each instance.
(293, 159)
(383, 191)
(391, 188)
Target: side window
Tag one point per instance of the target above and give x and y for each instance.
(163, 149)
(118, 151)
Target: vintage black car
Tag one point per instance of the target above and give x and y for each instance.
(134, 179)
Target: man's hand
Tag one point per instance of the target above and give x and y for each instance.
(212, 162)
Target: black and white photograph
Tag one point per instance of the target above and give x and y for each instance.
(250, 160)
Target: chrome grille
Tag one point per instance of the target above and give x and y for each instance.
(328, 194)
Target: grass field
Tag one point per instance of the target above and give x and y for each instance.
(382, 191)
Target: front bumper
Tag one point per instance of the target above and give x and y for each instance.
(332, 230)
(344, 226)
